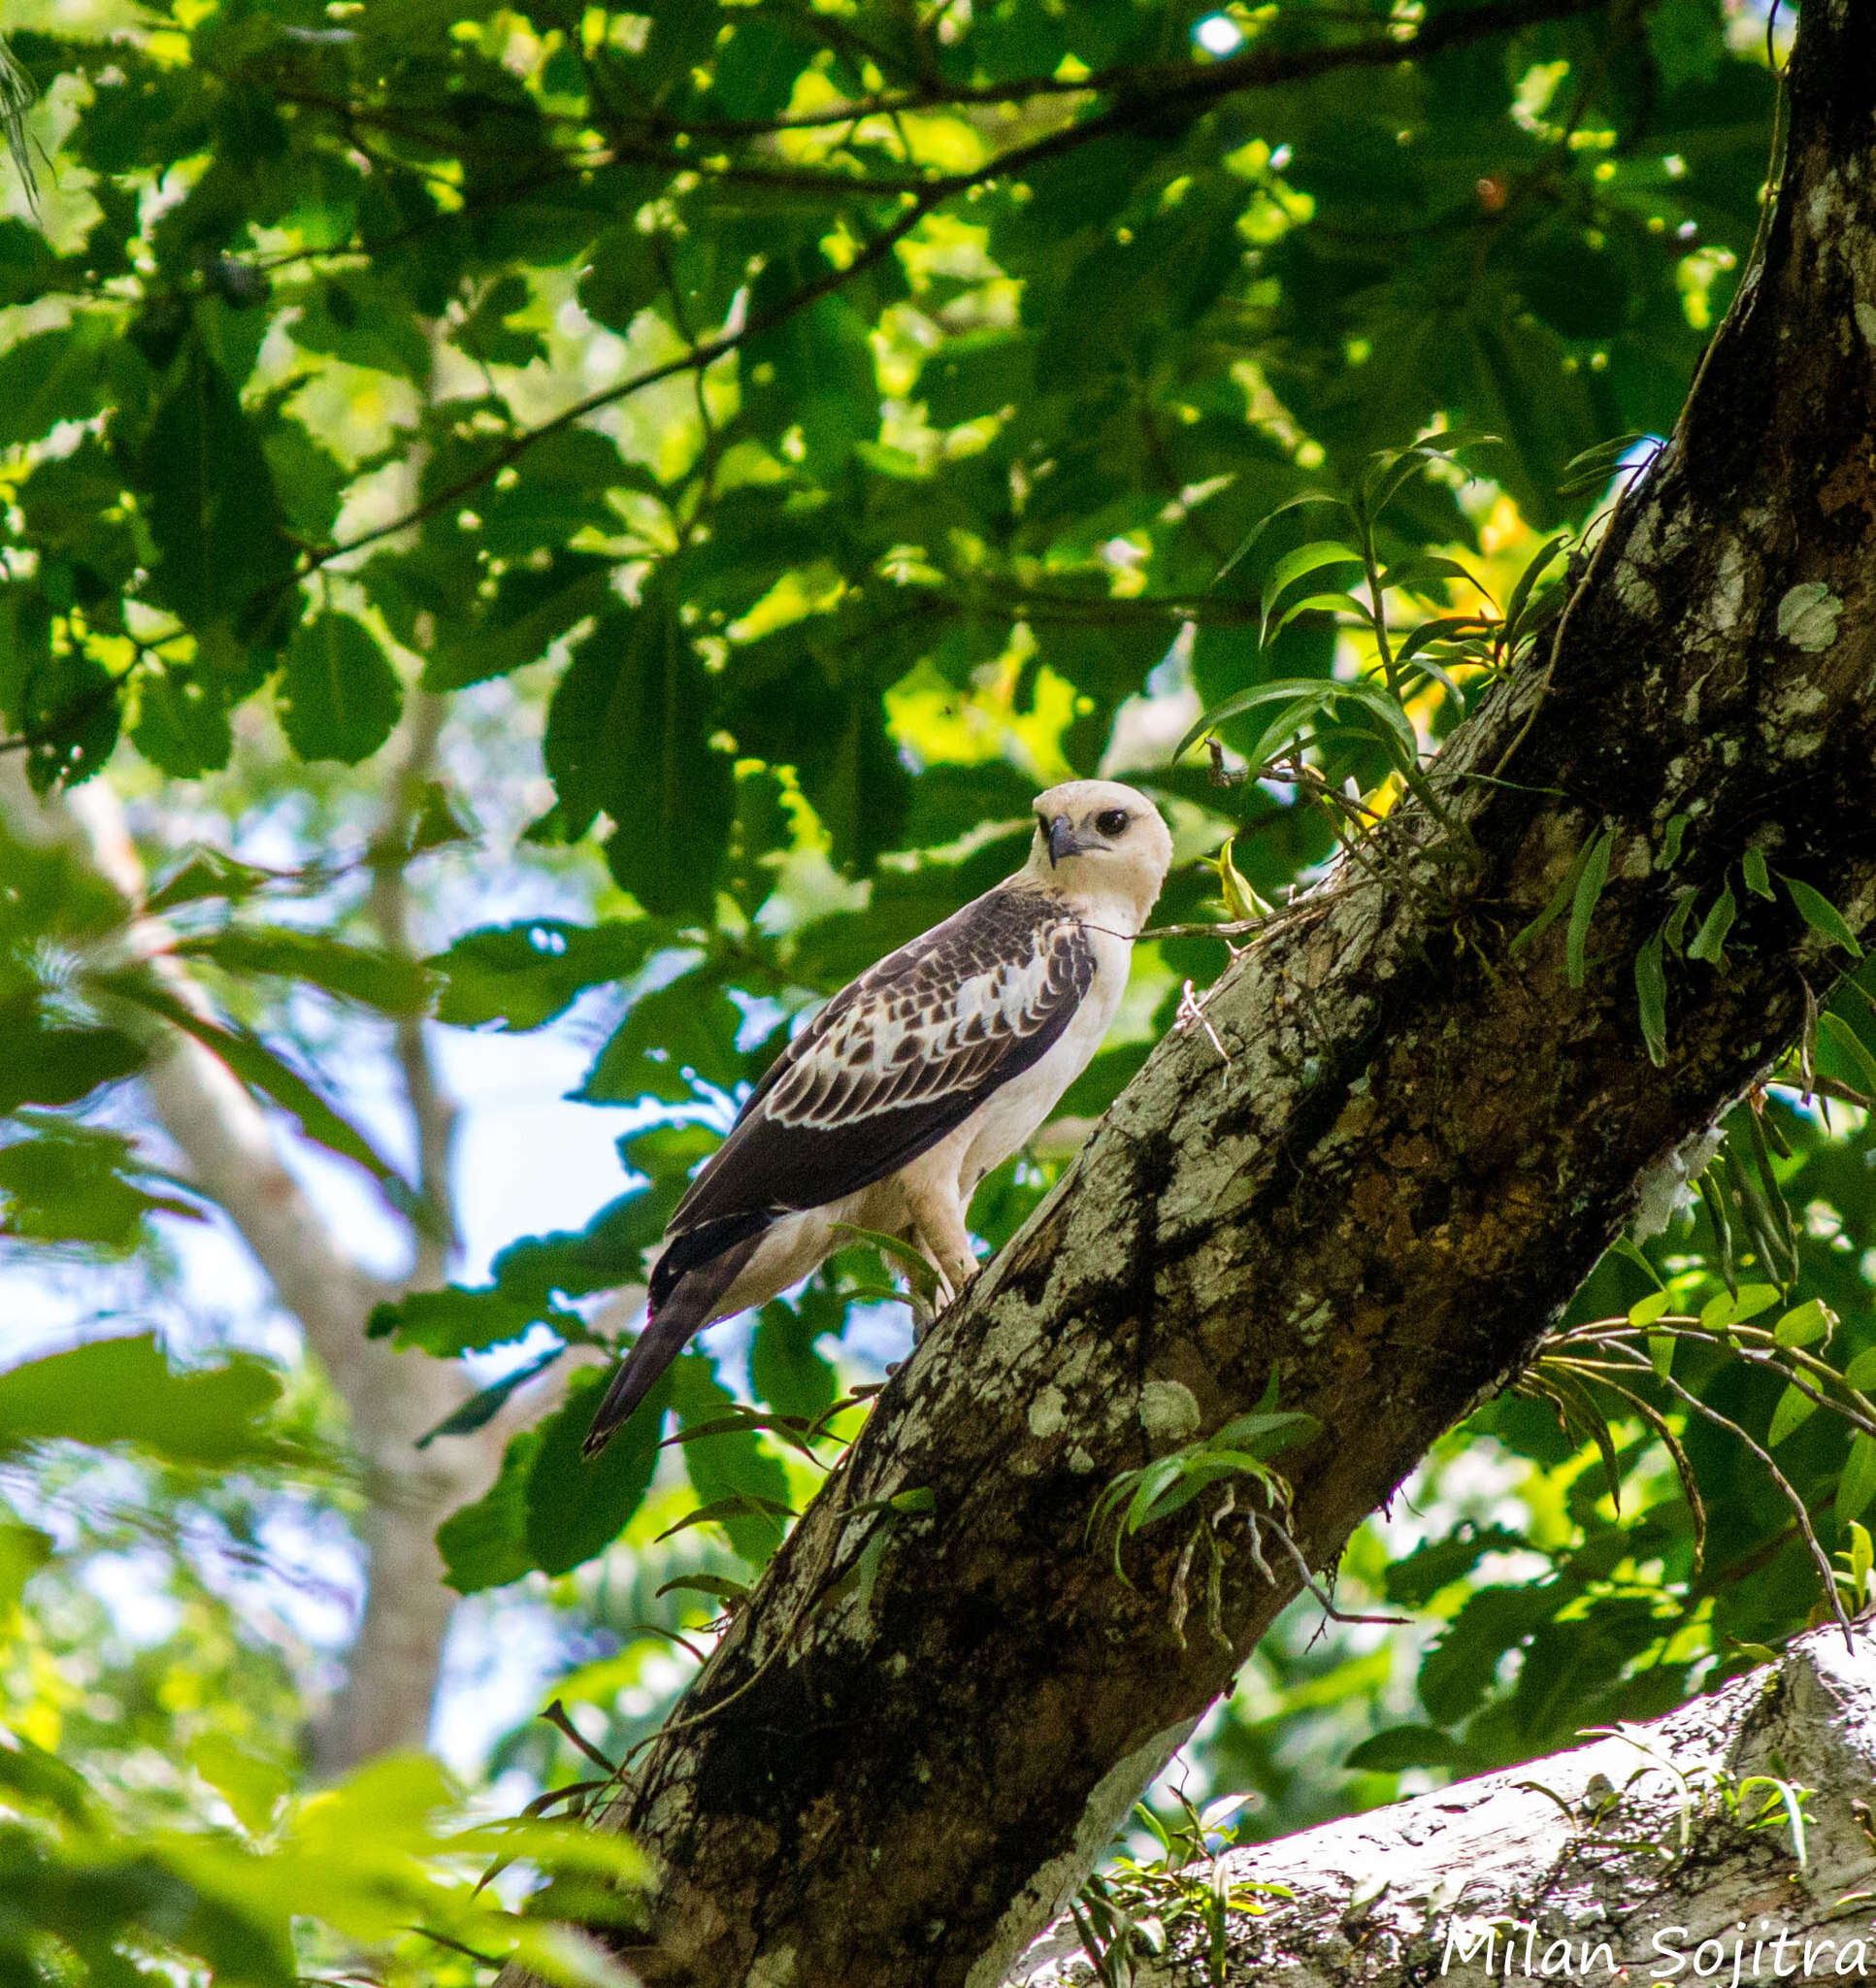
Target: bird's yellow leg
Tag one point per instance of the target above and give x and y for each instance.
(940, 1235)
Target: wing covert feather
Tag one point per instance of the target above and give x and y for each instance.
(900, 1057)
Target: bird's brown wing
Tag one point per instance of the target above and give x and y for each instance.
(894, 1062)
(900, 1057)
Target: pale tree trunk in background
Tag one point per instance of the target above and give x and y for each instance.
(392, 1398)
(1585, 1848)
(1381, 1169)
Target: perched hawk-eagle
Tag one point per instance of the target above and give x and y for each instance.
(913, 1081)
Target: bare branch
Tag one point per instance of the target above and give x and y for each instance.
(1679, 1828)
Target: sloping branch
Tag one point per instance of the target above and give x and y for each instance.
(1626, 1854)
(1379, 1170)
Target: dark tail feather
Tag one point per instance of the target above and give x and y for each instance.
(683, 1311)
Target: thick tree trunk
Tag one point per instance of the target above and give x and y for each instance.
(1380, 1171)
(1621, 1859)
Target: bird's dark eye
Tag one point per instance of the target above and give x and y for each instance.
(1112, 823)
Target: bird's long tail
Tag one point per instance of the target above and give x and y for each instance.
(683, 1308)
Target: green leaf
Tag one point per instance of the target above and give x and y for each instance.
(206, 873)
(68, 704)
(609, 1251)
(1255, 538)
(42, 1780)
(482, 1407)
(1625, 1248)
(1718, 1312)
(125, 1391)
(1856, 1481)
(680, 1030)
(1456, 1674)
(629, 732)
(440, 821)
(1322, 604)
(1314, 558)
(1589, 889)
(895, 1250)
(1709, 941)
(719, 1587)
(785, 1368)
(1526, 585)
(1793, 1409)
(378, 980)
(1647, 1309)
(829, 725)
(1398, 1747)
(1822, 915)
(1266, 1435)
(523, 976)
(1242, 902)
(253, 1787)
(53, 376)
(454, 1320)
(622, 277)
(737, 1505)
(212, 510)
(1306, 693)
(485, 334)
(1437, 1564)
(485, 1545)
(527, 612)
(69, 1185)
(183, 726)
(1757, 877)
(1688, 41)
(1555, 904)
(814, 372)
(732, 1463)
(60, 1066)
(338, 696)
(978, 372)
(366, 321)
(1804, 1325)
(578, 1506)
(1860, 1373)
(1843, 1035)
(1461, 630)
(1420, 567)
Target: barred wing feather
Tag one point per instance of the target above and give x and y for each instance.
(900, 1057)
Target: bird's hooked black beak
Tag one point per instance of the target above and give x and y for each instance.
(1063, 839)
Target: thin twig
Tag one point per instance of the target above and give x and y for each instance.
(1783, 1483)
(1328, 1608)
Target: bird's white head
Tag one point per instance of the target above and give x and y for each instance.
(1101, 843)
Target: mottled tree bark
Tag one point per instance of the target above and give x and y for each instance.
(1382, 1168)
(1611, 1862)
